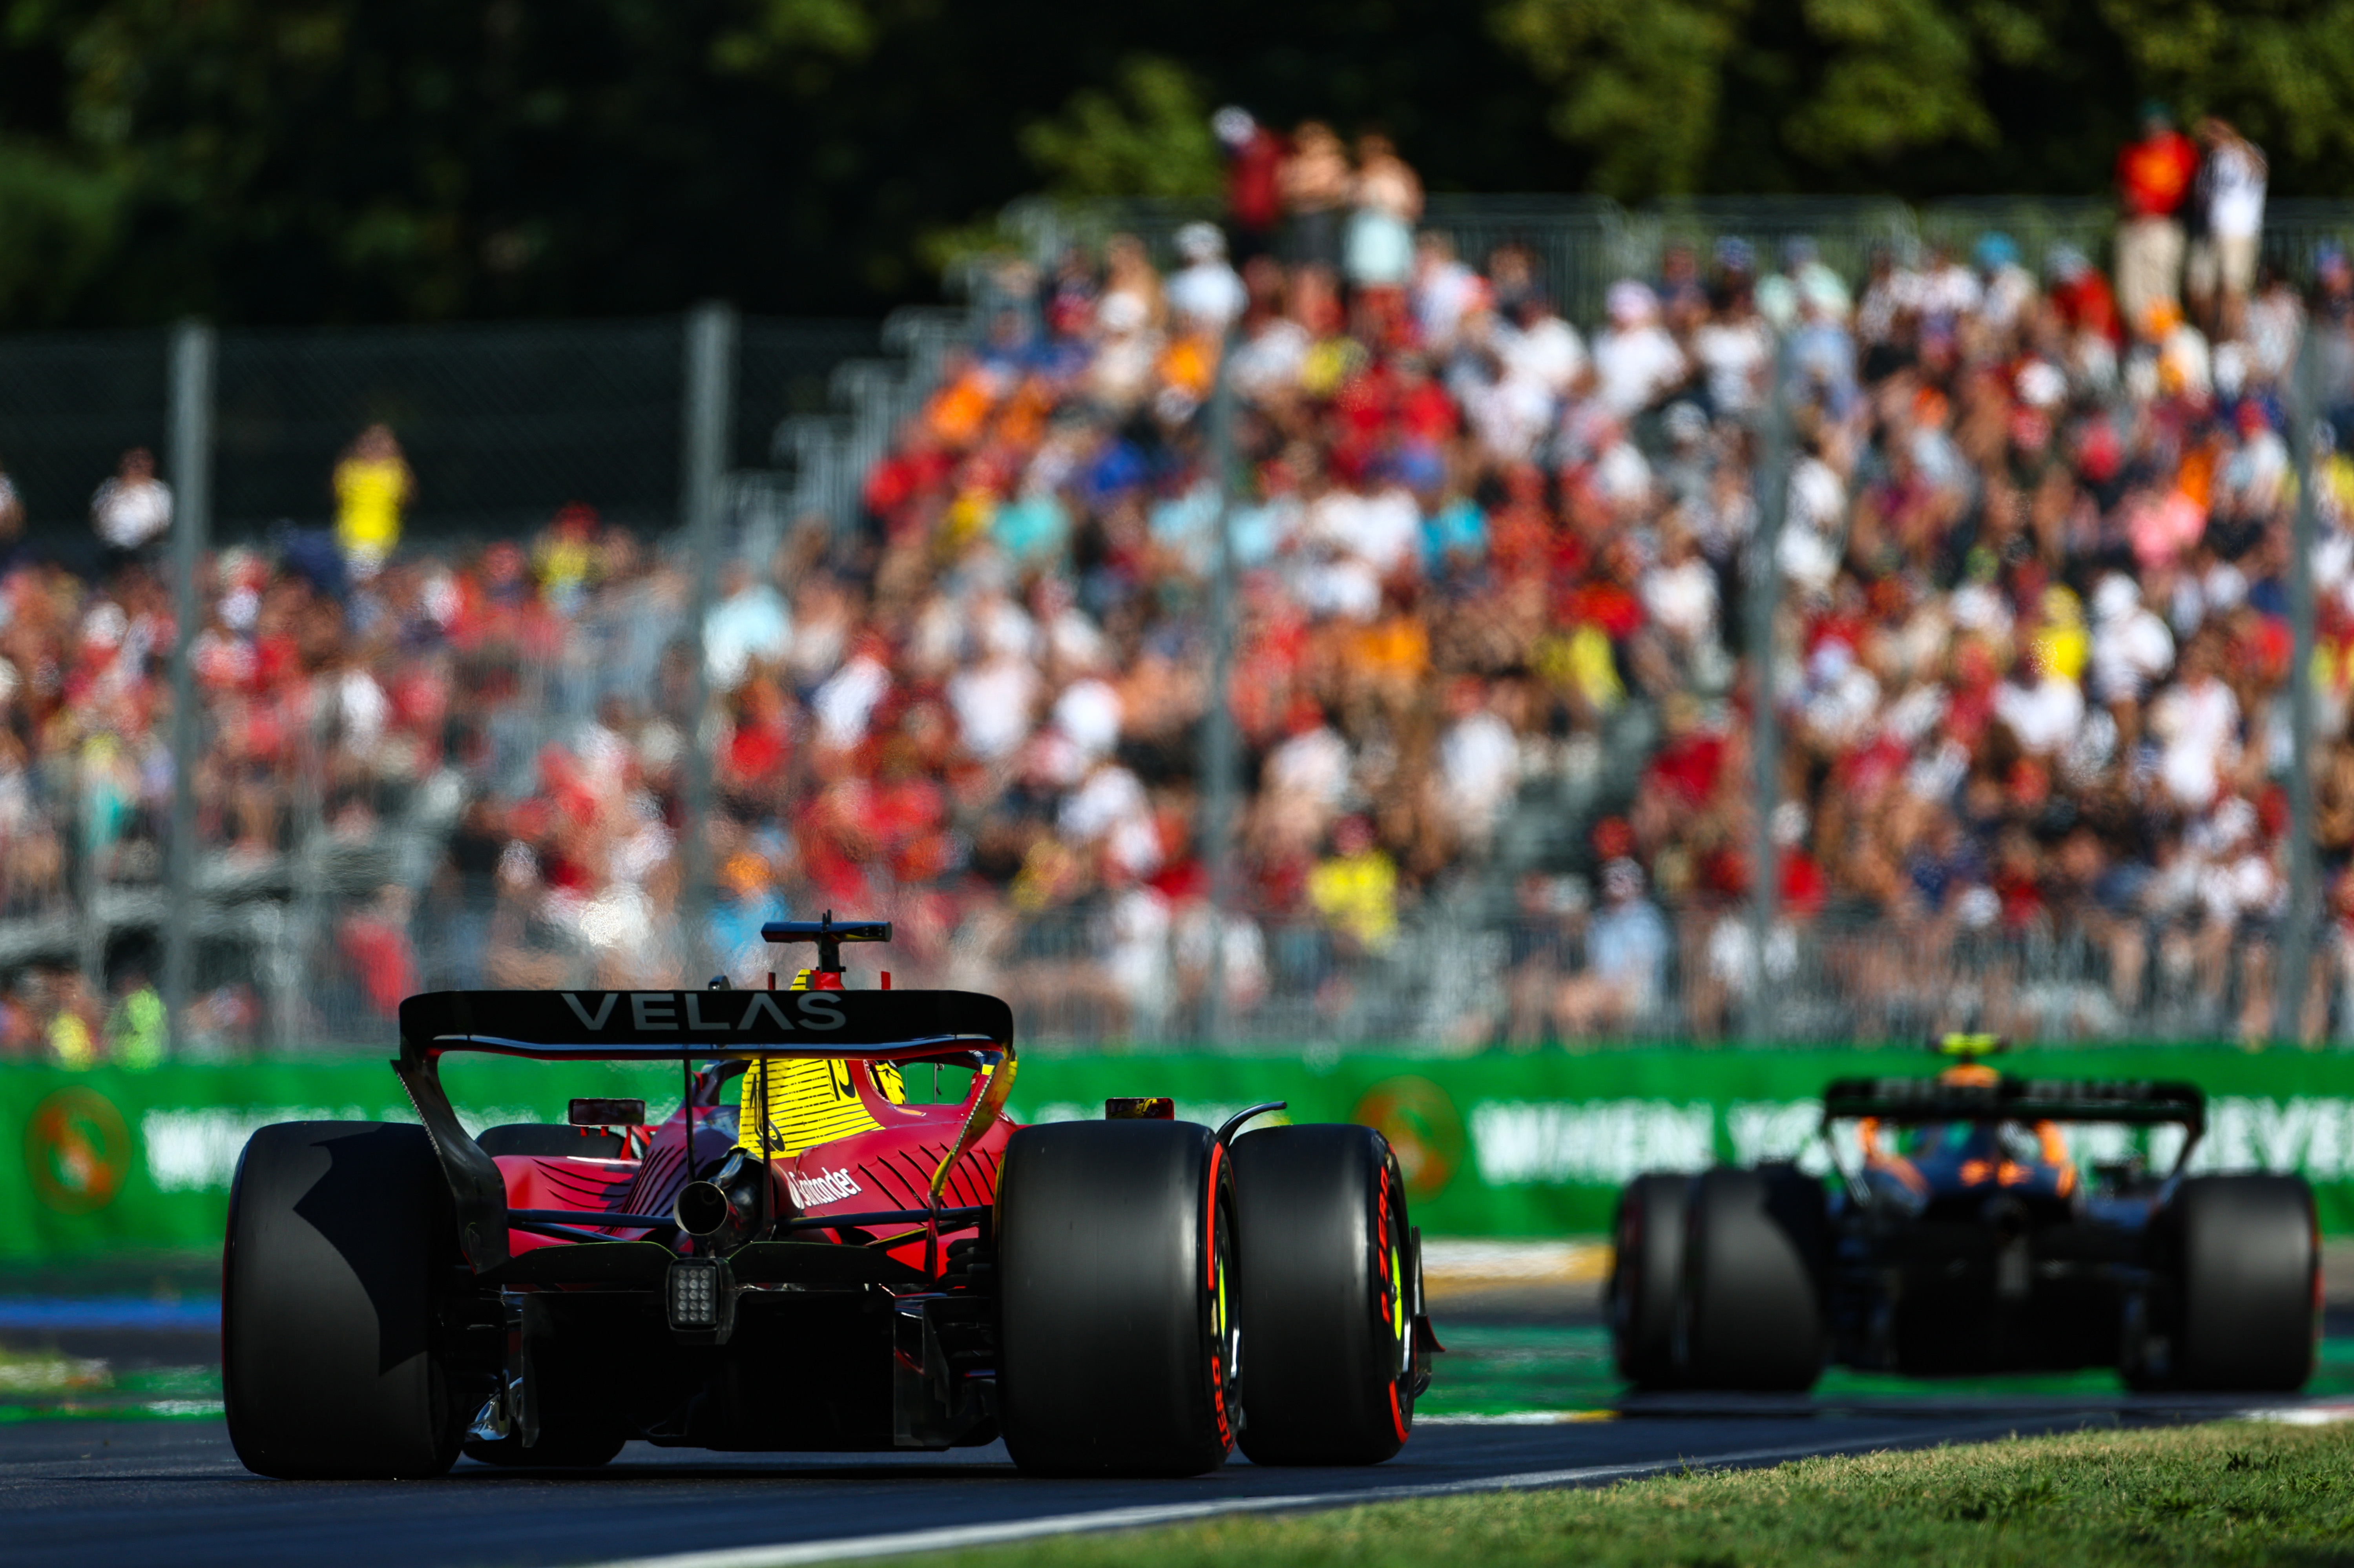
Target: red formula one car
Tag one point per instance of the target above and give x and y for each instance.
(800, 1258)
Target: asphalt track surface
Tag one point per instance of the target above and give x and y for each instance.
(95, 1494)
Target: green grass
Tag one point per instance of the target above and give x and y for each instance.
(46, 1384)
(2227, 1493)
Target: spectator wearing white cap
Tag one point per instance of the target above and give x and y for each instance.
(1635, 363)
(1206, 291)
(133, 510)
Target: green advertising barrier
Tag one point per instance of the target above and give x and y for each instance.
(1499, 1146)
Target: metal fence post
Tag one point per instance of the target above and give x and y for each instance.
(1762, 598)
(1218, 723)
(90, 928)
(2293, 979)
(709, 417)
(191, 470)
(307, 923)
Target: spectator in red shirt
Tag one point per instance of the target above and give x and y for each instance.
(1254, 197)
(2154, 177)
(2081, 296)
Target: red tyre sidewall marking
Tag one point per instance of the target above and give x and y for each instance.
(1382, 1251)
(1210, 1272)
(1390, 1310)
(1210, 1226)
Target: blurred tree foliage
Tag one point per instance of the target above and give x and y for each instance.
(1151, 138)
(1925, 97)
(307, 160)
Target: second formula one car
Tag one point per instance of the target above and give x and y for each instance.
(1961, 1236)
(801, 1258)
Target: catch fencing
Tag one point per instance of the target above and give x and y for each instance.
(502, 423)
(1582, 244)
(1135, 974)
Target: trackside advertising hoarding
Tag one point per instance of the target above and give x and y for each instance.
(113, 1161)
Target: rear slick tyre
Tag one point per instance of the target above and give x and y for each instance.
(2248, 1270)
(1117, 1345)
(1646, 1268)
(337, 1232)
(1748, 1315)
(1329, 1290)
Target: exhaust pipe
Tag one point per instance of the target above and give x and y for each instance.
(727, 1208)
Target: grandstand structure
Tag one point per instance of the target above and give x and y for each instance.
(1504, 770)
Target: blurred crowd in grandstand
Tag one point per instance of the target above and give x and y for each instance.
(2030, 625)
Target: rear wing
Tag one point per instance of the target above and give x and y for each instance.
(1912, 1101)
(683, 1026)
(663, 1025)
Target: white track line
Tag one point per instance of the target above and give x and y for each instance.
(956, 1537)
(2300, 1414)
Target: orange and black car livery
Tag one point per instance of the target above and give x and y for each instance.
(1947, 1224)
